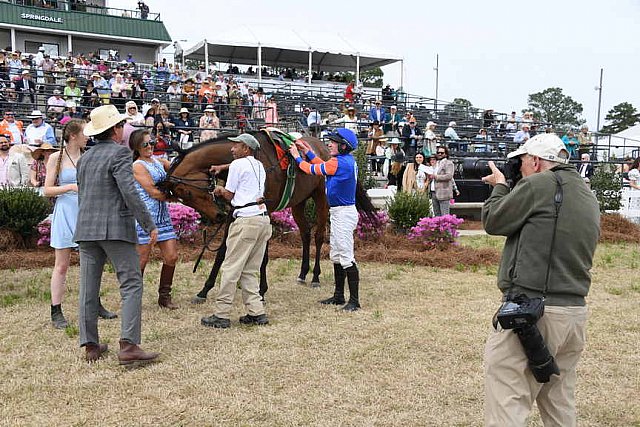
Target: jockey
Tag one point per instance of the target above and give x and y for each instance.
(341, 172)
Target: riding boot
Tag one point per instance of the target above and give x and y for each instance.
(164, 290)
(57, 318)
(338, 294)
(353, 278)
(103, 313)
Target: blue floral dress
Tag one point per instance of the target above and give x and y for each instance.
(159, 210)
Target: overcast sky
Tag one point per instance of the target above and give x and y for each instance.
(493, 53)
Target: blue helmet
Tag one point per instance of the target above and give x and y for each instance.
(344, 136)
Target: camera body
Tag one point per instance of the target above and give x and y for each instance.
(511, 170)
(520, 311)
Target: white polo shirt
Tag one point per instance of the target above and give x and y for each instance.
(246, 180)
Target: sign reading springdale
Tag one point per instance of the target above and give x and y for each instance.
(44, 18)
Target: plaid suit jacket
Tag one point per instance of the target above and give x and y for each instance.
(444, 177)
(108, 200)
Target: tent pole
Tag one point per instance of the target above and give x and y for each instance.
(357, 68)
(206, 56)
(259, 64)
(402, 74)
(310, 64)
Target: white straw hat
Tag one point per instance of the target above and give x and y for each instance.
(103, 118)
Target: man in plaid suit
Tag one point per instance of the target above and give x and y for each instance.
(109, 205)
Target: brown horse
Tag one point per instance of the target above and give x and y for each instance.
(189, 181)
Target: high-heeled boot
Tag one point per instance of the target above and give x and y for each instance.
(164, 289)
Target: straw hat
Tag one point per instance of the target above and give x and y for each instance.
(209, 109)
(103, 118)
(395, 141)
(38, 151)
(36, 114)
(184, 110)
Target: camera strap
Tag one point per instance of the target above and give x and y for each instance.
(557, 201)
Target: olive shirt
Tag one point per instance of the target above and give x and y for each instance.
(525, 216)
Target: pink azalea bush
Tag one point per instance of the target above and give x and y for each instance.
(185, 220)
(370, 228)
(44, 232)
(436, 232)
(283, 221)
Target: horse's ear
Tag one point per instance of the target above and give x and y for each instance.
(176, 147)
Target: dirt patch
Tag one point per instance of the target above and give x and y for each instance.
(614, 228)
(390, 248)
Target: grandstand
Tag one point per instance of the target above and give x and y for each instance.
(238, 109)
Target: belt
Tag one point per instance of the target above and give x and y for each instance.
(253, 216)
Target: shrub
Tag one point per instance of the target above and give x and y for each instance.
(364, 175)
(436, 232)
(606, 184)
(44, 232)
(283, 221)
(371, 227)
(21, 210)
(406, 209)
(185, 221)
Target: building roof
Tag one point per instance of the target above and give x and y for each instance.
(288, 48)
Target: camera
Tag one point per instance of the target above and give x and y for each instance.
(521, 313)
(511, 170)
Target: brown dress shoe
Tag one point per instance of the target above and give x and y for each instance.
(94, 351)
(165, 302)
(132, 354)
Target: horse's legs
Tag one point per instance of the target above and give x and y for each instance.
(213, 275)
(322, 216)
(305, 235)
(264, 287)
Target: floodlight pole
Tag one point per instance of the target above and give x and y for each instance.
(259, 64)
(206, 56)
(599, 89)
(310, 64)
(357, 68)
(437, 70)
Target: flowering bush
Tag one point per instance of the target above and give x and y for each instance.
(185, 221)
(44, 232)
(370, 228)
(283, 221)
(436, 232)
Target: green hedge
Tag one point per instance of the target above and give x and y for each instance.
(21, 210)
(406, 209)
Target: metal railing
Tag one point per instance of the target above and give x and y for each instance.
(84, 6)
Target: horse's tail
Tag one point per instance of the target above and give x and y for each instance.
(363, 202)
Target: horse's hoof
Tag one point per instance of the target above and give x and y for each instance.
(315, 284)
(198, 300)
(301, 281)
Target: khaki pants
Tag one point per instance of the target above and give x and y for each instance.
(510, 388)
(246, 244)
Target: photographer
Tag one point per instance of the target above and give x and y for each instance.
(551, 221)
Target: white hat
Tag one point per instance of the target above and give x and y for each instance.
(41, 49)
(25, 72)
(394, 107)
(36, 114)
(429, 124)
(70, 104)
(56, 92)
(184, 110)
(209, 109)
(547, 146)
(103, 118)
(452, 124)
(394, 141)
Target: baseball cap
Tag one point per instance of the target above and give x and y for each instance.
(247, 139)
(547, 146)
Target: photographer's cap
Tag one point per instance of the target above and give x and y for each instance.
(547, 146)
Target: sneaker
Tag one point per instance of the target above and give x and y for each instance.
(260, 319)
(215, 322)
(333, 300)
(351, 306)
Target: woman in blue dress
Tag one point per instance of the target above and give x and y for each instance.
(60, 182)
(148, 171)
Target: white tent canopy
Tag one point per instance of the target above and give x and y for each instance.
(622, 144)
(277, 47)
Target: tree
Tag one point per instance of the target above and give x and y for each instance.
(459, 107)
(552, 106)
(621, 117)
(372, 77)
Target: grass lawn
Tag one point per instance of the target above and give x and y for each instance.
(411, 357)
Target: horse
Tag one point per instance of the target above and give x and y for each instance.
(189, 181)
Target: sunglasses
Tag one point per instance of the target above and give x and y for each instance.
(440, 152)
(9, 114)
(147, 144)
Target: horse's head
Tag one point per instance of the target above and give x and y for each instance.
(190, 182)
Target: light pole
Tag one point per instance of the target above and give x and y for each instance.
(599, 89)
(435, 101)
